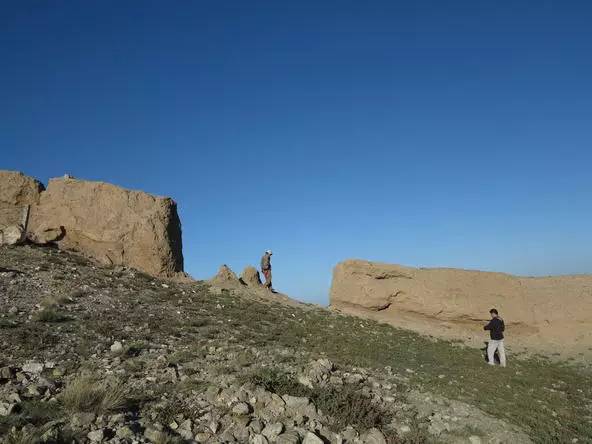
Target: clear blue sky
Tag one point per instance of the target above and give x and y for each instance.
(425, 133)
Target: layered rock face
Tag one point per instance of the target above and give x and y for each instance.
(541, 312)
(111, 224)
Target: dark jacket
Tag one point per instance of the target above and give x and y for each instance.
(266, 262)
(496, 327)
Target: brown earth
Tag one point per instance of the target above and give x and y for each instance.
(542, 314)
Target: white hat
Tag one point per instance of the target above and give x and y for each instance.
(268, 252)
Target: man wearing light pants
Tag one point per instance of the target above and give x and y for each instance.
(496, 329)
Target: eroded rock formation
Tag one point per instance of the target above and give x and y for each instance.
(543, 312)
(109, 223)
(250, 276)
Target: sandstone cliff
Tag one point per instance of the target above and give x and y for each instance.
(546, 313)
(109, 223)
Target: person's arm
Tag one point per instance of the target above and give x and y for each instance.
(488, 326)
(503, 325)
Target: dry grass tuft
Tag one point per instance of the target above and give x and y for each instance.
(88, 394)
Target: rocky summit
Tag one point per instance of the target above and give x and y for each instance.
(107, 354)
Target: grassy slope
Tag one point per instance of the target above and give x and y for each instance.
(552, 401)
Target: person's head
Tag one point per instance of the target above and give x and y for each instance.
(493, 312)
(268, 252)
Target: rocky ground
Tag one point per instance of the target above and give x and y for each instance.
(92, 354)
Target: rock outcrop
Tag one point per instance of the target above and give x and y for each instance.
(225, 277)
(544, 313)
(17, 191)
(250, 277)
(108, 223)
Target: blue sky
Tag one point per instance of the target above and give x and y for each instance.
(425, 133)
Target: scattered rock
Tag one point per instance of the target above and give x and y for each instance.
(34, 368)
(242, 408)
(117, 347)
(96, 435)
(311, 438)
(272, 431)
(373, 436)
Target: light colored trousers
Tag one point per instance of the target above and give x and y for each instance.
(492, 347)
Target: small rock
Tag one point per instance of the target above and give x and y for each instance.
(34, 368)
(117, 347)
(295, 401)
(96, 435)
(289, 437)
(6, 373)
(203, 437)
(242, 408)
(311, 438)
(256, 426)
(271, 431)
(474, 439)
(373, 436)
(6, 408)
(258, 439)
(124, 432)
(214, 426)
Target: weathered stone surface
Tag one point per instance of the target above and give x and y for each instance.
(111, 224)
(225, 276)
(44, 234)
(16, 191)
(250, 276)
(12, 235)
(546, 313)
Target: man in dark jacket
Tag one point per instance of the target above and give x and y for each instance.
(496, 329)
(266, 268)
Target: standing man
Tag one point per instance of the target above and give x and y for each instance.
(496, 328)
(266, 268)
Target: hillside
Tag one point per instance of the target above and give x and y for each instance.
(108, 354)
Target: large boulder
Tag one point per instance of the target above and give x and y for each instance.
(17, 191)
(111, 224)
(545, 313)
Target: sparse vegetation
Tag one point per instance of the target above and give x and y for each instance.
(345, 405)
(187, 339)
(50, 315)
(87, 394)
